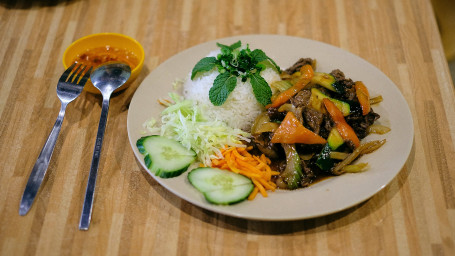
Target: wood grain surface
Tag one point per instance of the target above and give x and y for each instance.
(133, 214)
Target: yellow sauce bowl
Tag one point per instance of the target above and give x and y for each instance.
(114, 40)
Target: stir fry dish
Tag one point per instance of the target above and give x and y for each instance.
(254, 128)
(314, 125)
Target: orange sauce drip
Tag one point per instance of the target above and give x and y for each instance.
(97, 56)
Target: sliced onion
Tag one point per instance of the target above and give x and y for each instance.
(353, 168)
(365, 148)
(263, 124)
(338, 155)
(376, 100)
(378, 129)
(372, 146)
(281, 85)
(267, 127)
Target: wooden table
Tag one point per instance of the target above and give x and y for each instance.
(133, 214)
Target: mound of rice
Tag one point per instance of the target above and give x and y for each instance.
(240, 108)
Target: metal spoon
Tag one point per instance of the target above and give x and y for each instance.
(105, 78)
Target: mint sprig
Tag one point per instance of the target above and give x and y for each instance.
(261, 89)
(206, 64)
(223, 85)
(234, 62)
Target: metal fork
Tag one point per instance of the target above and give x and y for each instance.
(69, 87)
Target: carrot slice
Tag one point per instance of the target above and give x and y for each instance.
(363, 96)
(292, 131)
(345, 130)
(305, 78)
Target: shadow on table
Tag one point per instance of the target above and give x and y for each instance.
(372, 207)
(29, 4)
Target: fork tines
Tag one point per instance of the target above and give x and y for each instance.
(73, 74)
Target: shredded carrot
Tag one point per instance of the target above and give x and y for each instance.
(260, 187)
(239, 160)
(238, 155)
(253, 194)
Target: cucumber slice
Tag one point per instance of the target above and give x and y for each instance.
(344, 107)
(327, 81)
(164, 157)
(220, 186)
(335, 140)
(324, 161)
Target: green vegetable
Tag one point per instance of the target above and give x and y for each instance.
(164, 157)
(204, 65)
(220, 186)
(292, 175)
(344, 107)
(324, 161)
(334, 140)
(261, 89)
(223, 85)
(186, 123)
(233, 63)
(327, 81)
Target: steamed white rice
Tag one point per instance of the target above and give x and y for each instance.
(241, 107)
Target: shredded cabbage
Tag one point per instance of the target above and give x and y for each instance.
(185, 122)
(150, 127)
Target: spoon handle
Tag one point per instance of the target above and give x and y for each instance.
(90, 191)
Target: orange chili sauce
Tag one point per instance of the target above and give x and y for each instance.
(97, 56)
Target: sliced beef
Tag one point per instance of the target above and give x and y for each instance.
(300, 63)
(275, 115)
(327, 126)
(306, 149)
(338, 74)
(262, 142)
(308, 175)
(360, 123)
(301, 99)
(348, 84)
(313, 119)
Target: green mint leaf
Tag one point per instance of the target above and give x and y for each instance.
(261, 89)
(235, 45)
(223, 85)
(234, 62)
(261, 66)
(225, 50)
(258, 56)
(204, 65)
(222, 45)
(274, 64)
(229, 48)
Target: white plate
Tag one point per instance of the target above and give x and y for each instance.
(328, 196)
